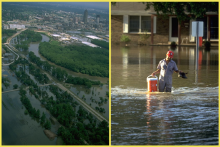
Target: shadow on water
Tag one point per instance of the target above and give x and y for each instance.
(186, 116)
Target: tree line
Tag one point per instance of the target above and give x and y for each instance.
(75, 128)
(100, 43)
(32, 111)
(60, 74)
(6, 34)
(83, 59)
(26, 37)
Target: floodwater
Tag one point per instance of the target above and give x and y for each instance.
(186, 116)
(92, 95)
(21, 129)
(18, 128)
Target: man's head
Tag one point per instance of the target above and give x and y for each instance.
(169, 55)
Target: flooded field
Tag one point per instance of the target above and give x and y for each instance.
(186, 116)
(19, 128)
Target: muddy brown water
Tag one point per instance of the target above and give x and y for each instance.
(186, 116)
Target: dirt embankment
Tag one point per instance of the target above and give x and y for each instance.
(50, 134)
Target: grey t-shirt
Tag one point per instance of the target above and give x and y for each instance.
(166, 71)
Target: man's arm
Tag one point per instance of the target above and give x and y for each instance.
(177, 71)
(154, 73)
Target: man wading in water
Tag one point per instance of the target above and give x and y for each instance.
(166, 68)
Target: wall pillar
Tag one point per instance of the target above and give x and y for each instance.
(179, 33)
(209, 28)
(152, 29)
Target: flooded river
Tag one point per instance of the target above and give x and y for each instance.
(186, 116)
(21, 129)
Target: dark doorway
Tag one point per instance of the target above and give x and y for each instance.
(174, 28)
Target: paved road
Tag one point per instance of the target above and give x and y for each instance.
(9, 47)
(9, 39)
(84, 104)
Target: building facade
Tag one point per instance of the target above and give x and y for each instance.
(85, 17)
(131, 19)
(97, 19)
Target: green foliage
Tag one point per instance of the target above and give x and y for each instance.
(81, 81)
(100, 43)
(75, 130)
(173, 43)
(144, 36)
(8, 32)
(6, 81)
(182, 9)
(4, 40)
(91, 133)
(107, 93)
(125, 38)
(84, 59)
(47, 125)
(26, 112)
(29, 36)
(26, 102)
(15, 86)
(43, 118)
(64, 113)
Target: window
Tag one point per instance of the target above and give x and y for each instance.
(213, 27)
(145, 24)
(138, 24)
(134, 24)
(135, 21)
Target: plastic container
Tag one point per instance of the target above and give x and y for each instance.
(152, 83)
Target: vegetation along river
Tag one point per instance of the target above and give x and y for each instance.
(19, 128)
(186, 116)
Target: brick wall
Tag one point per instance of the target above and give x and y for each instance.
(116, 28)
(161, 36)
(117, 31)
(162, 30)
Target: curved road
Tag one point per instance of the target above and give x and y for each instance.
(9, 47)
(84, 104)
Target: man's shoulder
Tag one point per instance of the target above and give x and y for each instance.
(172, 61)
(163, 60)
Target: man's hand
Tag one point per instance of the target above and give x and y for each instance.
(153, 74)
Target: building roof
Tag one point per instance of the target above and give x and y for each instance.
(90, 44)
(93, 37)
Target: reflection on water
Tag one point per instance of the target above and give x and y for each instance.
(186, 116)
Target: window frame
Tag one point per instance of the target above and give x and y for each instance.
(139, 32)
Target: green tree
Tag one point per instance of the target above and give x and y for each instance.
(15, 86)
(182, 9)
(47, 125)
(43, 118)
(38, 114)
